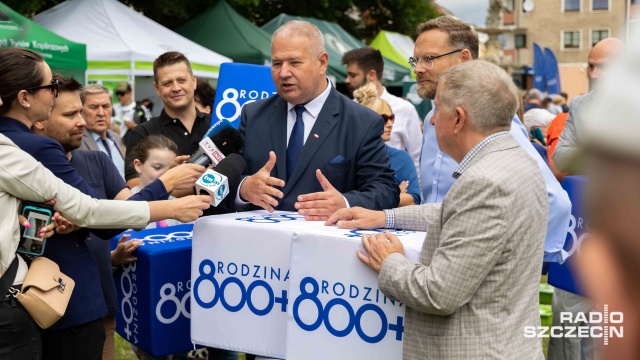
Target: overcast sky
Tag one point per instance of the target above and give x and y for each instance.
(471, 11)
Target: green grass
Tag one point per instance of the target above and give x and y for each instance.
(124, 352)
(123, 349)
(545, 341)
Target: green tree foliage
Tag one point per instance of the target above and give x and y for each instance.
(29, 8)
(362, 18)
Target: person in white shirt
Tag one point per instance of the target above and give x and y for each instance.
(366, 65)
(124, 110)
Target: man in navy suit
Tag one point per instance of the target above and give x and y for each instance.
(310, 148)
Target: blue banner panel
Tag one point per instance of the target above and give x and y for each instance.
(562, 276)
(551, 72)
(240, 84)
(538, 68)
(154, 292)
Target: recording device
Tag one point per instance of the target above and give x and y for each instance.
(536, 134)
(216, 182)
(217, 127)
(213, 149)
(38, 216)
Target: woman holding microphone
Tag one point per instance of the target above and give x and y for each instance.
(27, 94)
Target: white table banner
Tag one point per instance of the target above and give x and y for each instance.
(279, 286)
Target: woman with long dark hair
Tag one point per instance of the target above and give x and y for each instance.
(27, 93)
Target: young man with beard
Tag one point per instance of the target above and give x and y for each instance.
(366, 65)
(441, 44)
(67, 126)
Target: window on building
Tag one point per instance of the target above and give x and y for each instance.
(571, 40)
(597, 35)
(521, 41)
(503, 40)
(572, 5)
(600, 4)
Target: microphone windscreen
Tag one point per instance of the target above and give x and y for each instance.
(217, 127)
(232, 166)
(228, 141)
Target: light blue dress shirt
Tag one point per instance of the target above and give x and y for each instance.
(436, 170)
(117, 159)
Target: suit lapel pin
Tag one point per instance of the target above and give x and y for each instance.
(316, 136)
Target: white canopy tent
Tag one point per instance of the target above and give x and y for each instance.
(122, 43)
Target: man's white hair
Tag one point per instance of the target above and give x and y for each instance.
(302, 28)
(484, 91)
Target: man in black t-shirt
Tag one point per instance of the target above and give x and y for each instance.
(180, 121)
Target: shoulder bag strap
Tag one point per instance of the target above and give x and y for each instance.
(6, 280)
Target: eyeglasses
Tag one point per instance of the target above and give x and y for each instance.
(386, 118)
(53, 87)
(427, 60)
(120, 93)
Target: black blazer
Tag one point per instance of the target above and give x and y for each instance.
(347, 149)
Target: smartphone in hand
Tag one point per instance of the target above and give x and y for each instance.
(39, 216)
(536, 134)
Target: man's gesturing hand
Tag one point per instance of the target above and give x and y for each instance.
(319, 205)
(259, 188)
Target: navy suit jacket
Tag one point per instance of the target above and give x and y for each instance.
(347, 149)
(70, 251)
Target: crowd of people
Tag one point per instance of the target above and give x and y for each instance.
(482, 179)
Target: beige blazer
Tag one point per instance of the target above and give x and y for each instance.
(89, 143)
(22, 177)
(572, 137)
(476, 287)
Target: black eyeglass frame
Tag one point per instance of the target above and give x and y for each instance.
(391, 118)
(414, 61)
(53, 87)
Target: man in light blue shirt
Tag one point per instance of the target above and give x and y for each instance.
(97, 105)
(445, 42)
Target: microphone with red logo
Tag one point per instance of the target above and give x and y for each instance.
(213, 149)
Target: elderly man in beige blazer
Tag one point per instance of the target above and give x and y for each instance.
(97, 107)
(476, 286)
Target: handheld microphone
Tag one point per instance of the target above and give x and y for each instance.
(216, 182)
(213, 149)
(217, 127)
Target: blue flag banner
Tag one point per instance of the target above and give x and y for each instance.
(239, 84)
(561, 275)
(551, 72)
(154, 292)
(538, 68)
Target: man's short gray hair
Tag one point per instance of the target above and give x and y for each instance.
(302, 28)
(534, 94)
(93, 89)
(484, 91)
